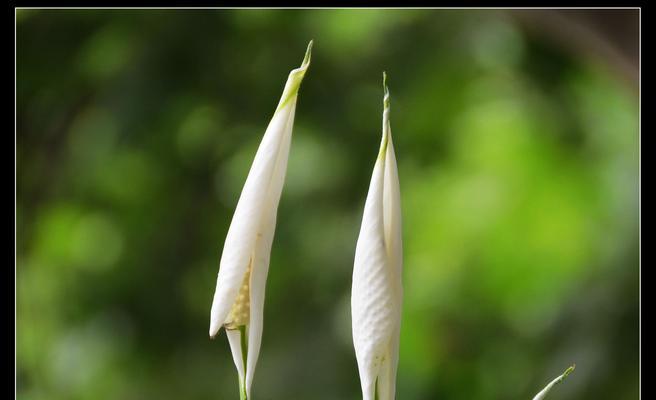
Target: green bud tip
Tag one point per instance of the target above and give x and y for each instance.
(386, 101)
(308, 54)
(567, 372)
(386, 104)
(295, 78)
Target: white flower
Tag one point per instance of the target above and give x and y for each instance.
(547, 389)
(239, 297)
(377, 292)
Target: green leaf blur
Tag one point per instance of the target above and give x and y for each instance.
(518, 163)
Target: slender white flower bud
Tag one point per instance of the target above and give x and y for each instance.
(376, 295)
(547, 389)
(238, 303)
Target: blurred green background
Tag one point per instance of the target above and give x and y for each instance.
(518, 163)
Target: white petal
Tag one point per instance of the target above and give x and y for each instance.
(385, 380)
(393, 241)
(371, 301)
(240, 240)
(254, 202)
(234, 338)
(263, 251)
(392, 212)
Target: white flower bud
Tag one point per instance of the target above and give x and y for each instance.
(238, 303)
(377, 292)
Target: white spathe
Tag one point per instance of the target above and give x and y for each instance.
(377, 292)
(238, 302)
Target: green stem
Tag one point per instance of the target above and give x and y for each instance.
(242, 390)
(244, 352)
(376, 389)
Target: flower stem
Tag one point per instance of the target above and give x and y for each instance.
(244, 351)
(376, 389)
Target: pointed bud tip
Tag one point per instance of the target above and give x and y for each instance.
(386, 101)
(386, 106)
(569, 370)
(308, 54)
(295, 78)
(214, 330)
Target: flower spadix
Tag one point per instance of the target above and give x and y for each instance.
(376, 294)
(543, 393)
(239, 297)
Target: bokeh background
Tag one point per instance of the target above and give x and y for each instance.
(516, 135)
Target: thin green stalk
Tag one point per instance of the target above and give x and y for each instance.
(244, 351)
(376, 390)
